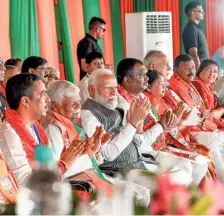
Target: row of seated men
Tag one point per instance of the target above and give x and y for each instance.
(145, 118)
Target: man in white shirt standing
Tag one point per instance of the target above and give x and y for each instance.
(94, 61)
(123, 151)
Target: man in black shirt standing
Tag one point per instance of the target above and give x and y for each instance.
(89, 42)
(194, 40)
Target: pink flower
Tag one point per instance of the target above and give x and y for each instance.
(170, 198)
(216, 191)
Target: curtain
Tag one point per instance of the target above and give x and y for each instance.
(184, 20)
(214, 24)
(47, 31)
(5, 51)
(126, 7)
(76, 20)
(59, 43)
(143, 5)
(118, 44)
(172, 6)
(64, 40)
(91, 9)
(24, 29)
(107, 38)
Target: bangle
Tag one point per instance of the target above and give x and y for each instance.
(63, 165)
(161, 125)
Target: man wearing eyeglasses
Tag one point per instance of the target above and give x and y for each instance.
(89, 43)
(194, 39)
(36, 65)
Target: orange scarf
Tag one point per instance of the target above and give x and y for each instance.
(189, 94)
(209, 99)
(169, 99)
(206, 94)
(160, 143)
(174, 139)
(29, 143)
(71, 134)
(67, 127)
(159, 103)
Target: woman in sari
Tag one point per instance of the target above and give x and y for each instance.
(206, 76)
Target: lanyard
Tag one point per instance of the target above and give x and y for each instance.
(36, 132)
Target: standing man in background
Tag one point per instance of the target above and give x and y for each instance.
(89, 42)
(194, 40)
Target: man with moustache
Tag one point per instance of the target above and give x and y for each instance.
(123, 151)
(206, 132)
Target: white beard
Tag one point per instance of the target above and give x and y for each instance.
(110, 103)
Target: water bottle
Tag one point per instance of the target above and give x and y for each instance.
(44, 192)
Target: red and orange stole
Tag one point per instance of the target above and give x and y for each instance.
(71, 134)
(177, 138)
(206, 94)
(29, 143)
(209, 99)
(189, 94)
(191, 97)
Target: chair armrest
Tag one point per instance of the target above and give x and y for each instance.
(112, 172)
(81, 186)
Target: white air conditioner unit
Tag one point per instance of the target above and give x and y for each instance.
(149, 31)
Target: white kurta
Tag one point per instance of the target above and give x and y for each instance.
(55, 137)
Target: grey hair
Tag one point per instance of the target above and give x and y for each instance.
(94, 76)
(59, 89)
(151, 56)
(53, 69)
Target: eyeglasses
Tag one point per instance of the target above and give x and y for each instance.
(41, 68)
(199, 11)
(10, 67)
(102, 28)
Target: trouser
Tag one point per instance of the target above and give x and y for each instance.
(215, 140)
(181, 170)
